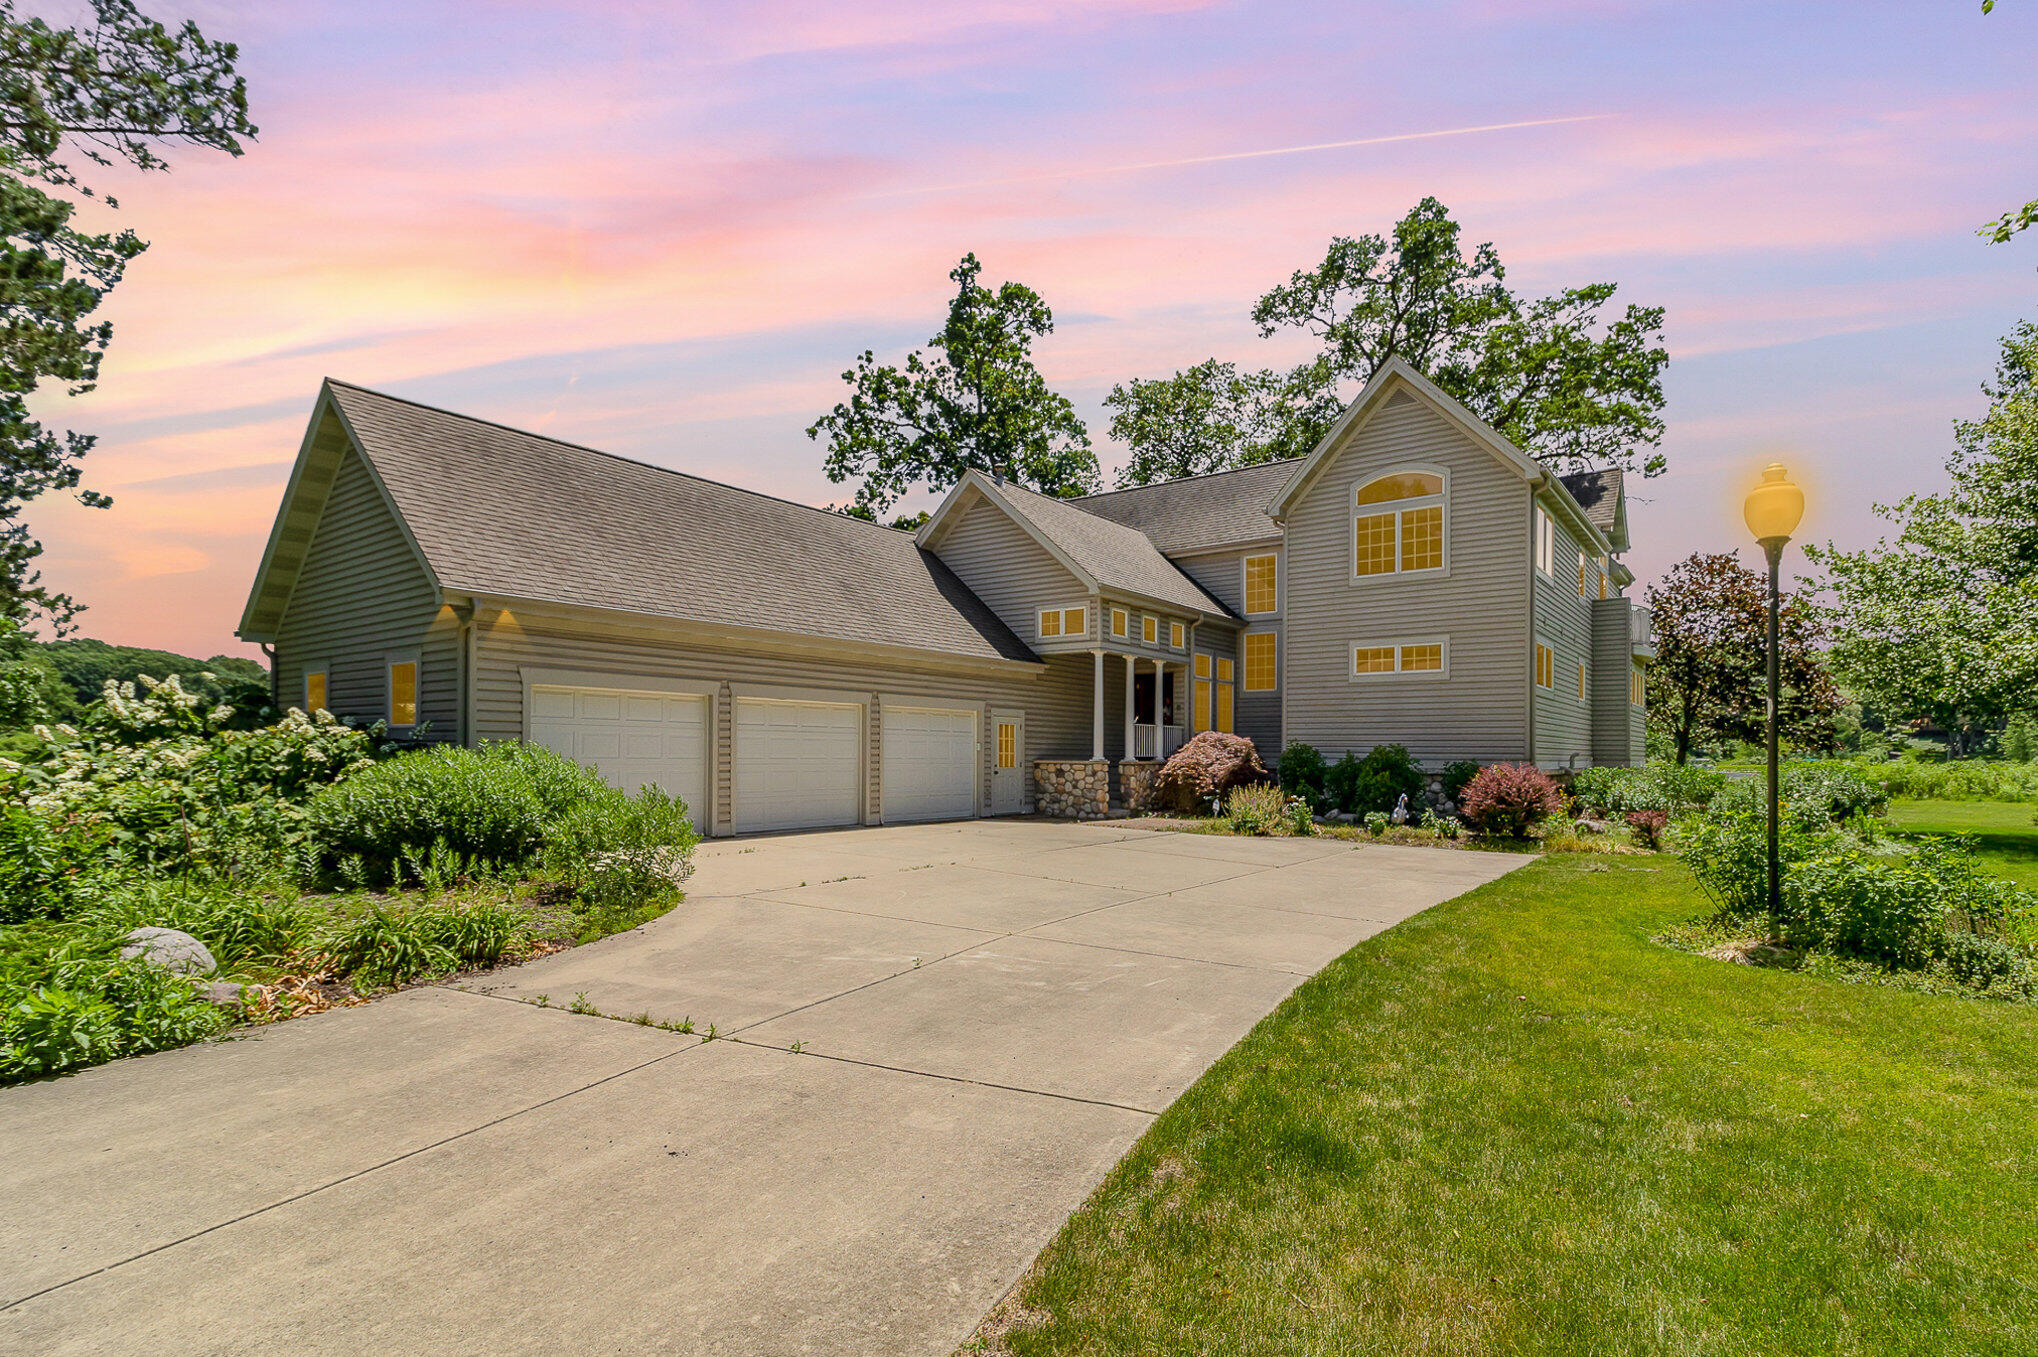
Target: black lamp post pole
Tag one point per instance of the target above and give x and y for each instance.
(1773, 546)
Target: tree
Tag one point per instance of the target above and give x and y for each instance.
(1710, 677)
(1999, 231)
(976, 401)
(1942, 622)
(113, 91)
(1211, 418)
(1562, 376)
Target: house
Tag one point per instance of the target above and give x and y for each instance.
(1415, 580)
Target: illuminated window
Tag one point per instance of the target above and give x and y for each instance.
(1546, 666)
(1605, 567)
(1223, 669)
(1178, 635)
(1120, 626)
(1224, 708)
(1203, 703)
(1581, 577)
(403, 693)
(1050, 622)
(1150, 630)
(1581, 681)
(1408, 536)
(1637, 686)
(1008, 744)
(1379, 659)
(1263, 584)
(1260, 668)
(315, 691)
(1202, 666)
(1063, 622)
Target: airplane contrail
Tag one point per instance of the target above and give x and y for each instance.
(1235, 155)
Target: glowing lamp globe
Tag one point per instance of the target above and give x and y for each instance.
(1775, 506)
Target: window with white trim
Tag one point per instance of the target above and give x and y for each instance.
(1605, 569)
(1262, 584)
(1120, 622)
(1546, 666)
(1637, 686)
(1222, 722)
(316, 696)
(1424, 655)
(1399, 525)
(403, 691)
(1202, 696)
(1178, 636)
(1261, 669)
(1150, 629)
(1546, 542)
(1058, 622)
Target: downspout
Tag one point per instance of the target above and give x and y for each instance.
(275, 679)
(467, 679)
(1534, 569)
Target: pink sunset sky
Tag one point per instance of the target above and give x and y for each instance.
(664, 230)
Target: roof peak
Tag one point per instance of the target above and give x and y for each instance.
(1183, 480)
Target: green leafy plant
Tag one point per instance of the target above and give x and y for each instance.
(1300, 817)
(479, 933)
(69, 1000)
(1456, 776)
(1257, 809)
(1375, 782)
(1302, 773)
(386, 945)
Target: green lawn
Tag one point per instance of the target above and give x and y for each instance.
(2004, 833)
(1514, 1124)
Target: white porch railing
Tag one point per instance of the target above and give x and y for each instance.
(1145, 742)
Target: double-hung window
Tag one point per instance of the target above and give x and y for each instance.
(1178, 636)
(315, 695)
(1637, 685)
(1202, 698)
(1224, 673)
(1546, 666)
(1399, 525)
(1120, 625)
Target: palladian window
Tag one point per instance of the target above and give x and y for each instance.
(1398, 524)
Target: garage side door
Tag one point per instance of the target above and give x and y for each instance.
(635, 739)
(799, 765)
(929, 768)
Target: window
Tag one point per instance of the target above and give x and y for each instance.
(1178, 635)
(1262, 584)
(403, 693)
(1150, 630)
(1581, 575)
(1405, 532)
(1581, 680)
(1605, 568)
(314, 690)
(1260, 669)
(1223, 670)
(1379, 659)
(1202, 698)
(1546, 542)
(1008, 744)
(1637, 686)
(1120, 625)
(1224, 708)
(1546, 666)
(1063, 622)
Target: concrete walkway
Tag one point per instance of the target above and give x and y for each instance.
(938, 1039)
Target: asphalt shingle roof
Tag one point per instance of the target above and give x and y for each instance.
(1598, 495)
(1199, 512)
(1116, 556)
(499, 511)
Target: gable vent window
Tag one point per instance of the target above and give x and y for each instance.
(1398, 525)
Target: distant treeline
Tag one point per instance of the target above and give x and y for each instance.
(76, 671)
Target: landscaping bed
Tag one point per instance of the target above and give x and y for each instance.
(1515, 1123)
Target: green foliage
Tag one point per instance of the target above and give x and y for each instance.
(1457, 775)
(620, 852)
(1710, 677)
(1827, 790)
(1257, 809)
(1374, 783)
(67, 1000)
(1964, 780)
(1510, 799)
(1302, 773)
(1212, 417)
(478, 933)
(86, 666)
(47, 861)
(976, 402)
(387, 945)
(237, 925)
(1677, 789)
(114, 90)
(492, 805)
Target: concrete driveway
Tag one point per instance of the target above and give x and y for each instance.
(937, 1040)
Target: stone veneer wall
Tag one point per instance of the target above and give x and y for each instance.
(1136, 780)
(1072, 789)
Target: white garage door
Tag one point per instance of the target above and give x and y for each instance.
(636, 739)
(929, 768)
(799, 765)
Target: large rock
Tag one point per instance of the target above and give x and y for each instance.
(178, 953)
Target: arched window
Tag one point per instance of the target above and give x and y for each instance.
(1399, 524)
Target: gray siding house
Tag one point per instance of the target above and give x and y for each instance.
(1415, 580)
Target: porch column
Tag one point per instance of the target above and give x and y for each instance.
(1097, 709)
(1131, 712)
(1160, 689)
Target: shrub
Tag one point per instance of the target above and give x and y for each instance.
(1377, 821)
(1729, 857)
(1302, 773)
(1960, 780)
(1201, 774)
(1259, 808)
(70, 1000)
(1358, 786)
(387, 945)
(1457, 776)
(1510, 799)
(1890, 909)
(1810, 791)
(1443, 826)
(46, 860)
(236, 925)
(491, 805)
(1300, 816)
(1649, 826)
(610, 838)
(1669, 787)
(480, 933)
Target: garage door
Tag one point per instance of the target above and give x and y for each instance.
(636, 739)
(798, 765)
(929, 768)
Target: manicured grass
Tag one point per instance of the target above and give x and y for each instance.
(2005, 836)
(1515, 1124)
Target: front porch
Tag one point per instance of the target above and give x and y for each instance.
(1139, 716)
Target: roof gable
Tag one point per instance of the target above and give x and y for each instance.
(501, 513)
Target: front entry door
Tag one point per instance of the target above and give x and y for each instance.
(1008, 762)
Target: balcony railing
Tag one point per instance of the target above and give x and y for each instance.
(1641, 630)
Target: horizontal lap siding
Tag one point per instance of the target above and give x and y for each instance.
(1254, 715)
(1564, 621)
(1055, 703)
(1481, 711)
(1614, 715)
(1010, 571)
(361, 596)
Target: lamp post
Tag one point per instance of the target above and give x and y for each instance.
(1773, 509)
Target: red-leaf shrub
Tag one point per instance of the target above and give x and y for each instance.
(1648, 826)
(1509, 799)
(1207, 768)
